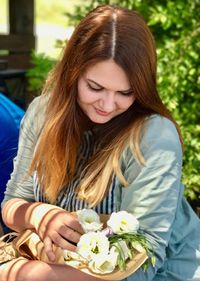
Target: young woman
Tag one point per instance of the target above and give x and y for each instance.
(101, 137)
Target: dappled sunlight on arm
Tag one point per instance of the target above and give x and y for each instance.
(25, 270)
(10, 271)
(16, 213)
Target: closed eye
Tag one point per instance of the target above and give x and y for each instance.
(95, 89)
(94, 86)
(126, 94)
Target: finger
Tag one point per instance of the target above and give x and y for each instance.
(74, 224)
(46, 220)
(69, 234)
(48, 247)
(62, 242)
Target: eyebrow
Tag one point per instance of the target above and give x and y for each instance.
(100, 86)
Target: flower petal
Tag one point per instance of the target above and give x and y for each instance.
(89, 220)
(123, 222)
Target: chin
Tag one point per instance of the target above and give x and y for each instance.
(100, 120)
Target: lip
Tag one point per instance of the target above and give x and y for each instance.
(101, 112)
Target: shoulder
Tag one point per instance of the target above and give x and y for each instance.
(159, 139)
(33, 120)
(160, 129)
(38, 106)
(35, 113)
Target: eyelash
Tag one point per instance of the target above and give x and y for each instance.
(100, 89)
(94, 89)
(126, 94)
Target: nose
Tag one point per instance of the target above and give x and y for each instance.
(107, 102)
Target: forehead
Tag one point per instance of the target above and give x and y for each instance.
(109, 75)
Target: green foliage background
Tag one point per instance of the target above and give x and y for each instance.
(176, 28)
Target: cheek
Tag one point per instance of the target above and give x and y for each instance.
(84, 95)
(126, 102)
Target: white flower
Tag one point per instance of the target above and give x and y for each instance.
(123, 222)
(73, 259)
(92, 244)
(101, 251)
(69, 255)
(89, 220)
(103, 264)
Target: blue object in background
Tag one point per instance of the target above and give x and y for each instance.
(10, 118)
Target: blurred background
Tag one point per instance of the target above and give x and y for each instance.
(176, 28)
(50, 23)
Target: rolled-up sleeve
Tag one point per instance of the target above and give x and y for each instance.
(20, 184)
(154, 189)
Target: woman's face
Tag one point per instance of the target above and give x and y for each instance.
(104, 91)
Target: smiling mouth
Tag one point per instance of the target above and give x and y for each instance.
(101, 112)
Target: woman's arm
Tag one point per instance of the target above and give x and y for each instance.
(154, 189)
(19, 209)
(16, 214)
(25, 270)
(51, 223)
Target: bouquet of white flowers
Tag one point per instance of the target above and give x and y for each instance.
(111, 251)
(114, 252)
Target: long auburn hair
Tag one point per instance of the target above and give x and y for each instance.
(107, 32)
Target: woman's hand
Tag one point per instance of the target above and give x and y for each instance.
(56, 226)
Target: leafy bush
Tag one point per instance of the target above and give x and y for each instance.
(176, 28)
(42, 64)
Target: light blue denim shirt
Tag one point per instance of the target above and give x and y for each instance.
(154, 194)
(155, 197)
